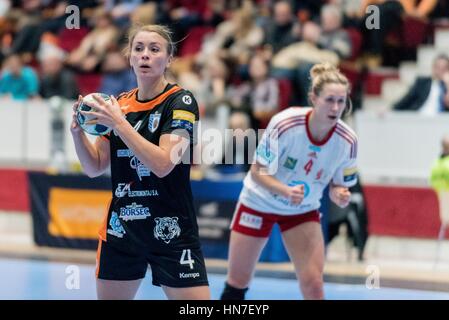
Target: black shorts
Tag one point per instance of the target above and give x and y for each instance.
(175, 268)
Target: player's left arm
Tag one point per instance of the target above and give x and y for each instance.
(344, 178)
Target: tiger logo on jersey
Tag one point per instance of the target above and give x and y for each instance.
(166, 228)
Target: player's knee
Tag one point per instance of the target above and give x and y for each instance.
(233, 293)
(312, 287)
(240, 279)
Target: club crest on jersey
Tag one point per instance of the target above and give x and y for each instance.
(166, 228)
(153, 122)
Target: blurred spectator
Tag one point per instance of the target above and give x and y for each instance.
(294, 62)
(333, 36)
(391, 13)
(429, 95)
(257, 100)
(121, 10)
(117, 75)
(8, 27)
(18, 81)
(390, 17)
(5, 5)
(144, 14)
(56, 80)
(216, 77)
(439, 178)
(282, 29)
(308, 9)
(28, 30)
(234, 38)
(419, 8)
(441, 10)
(88, 56)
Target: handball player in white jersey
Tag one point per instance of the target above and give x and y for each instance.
(302, 151)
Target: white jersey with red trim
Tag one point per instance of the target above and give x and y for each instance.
(291, 155)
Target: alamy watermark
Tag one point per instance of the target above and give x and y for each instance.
(373, 279)
(73, 21)
(231, 146)
(72, 281)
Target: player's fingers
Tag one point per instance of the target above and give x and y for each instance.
(77, 103)
(100, 100)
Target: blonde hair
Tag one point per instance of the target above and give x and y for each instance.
(163, 31)
(324, 73)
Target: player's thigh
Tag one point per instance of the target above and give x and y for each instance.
(244, 252)
(305, 246)
(190, 293)
(116, 289)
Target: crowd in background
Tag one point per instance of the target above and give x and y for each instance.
(253, 57)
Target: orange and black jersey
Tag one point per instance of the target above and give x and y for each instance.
(148, 211)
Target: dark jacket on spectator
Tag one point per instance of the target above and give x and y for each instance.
(416, 96)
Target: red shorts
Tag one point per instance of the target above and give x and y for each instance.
(259, 224)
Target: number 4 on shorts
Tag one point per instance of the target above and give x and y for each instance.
(189, 260)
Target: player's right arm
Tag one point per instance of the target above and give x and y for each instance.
(94, 158)
(263, 170)
(295, 194)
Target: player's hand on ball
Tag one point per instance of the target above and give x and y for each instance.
(74, 126)
(107, 113)
(341, 196)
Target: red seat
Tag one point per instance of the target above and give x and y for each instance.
(356, 42)
(285, 92)
(374, 79)
(88, 82)
(70, 39)
(193, 42)
(414, 32)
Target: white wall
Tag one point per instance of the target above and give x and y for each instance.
(398, 146)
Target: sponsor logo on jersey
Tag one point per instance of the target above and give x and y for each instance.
(194, 275)
(182, 124)
(153, 122)
(117, 228)
(134, 163)
(349, 174)
(124, 153)
(124, 189)
(140, 168)
(251, 221)
(187, 99)
(166, 228)
(134, 212)
(290, 163)
(184, 115)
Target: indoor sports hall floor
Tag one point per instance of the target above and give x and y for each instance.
(36, 279)
(407, 270)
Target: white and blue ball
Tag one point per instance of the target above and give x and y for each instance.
(93, 129)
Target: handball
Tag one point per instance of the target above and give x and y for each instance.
(84, 120)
